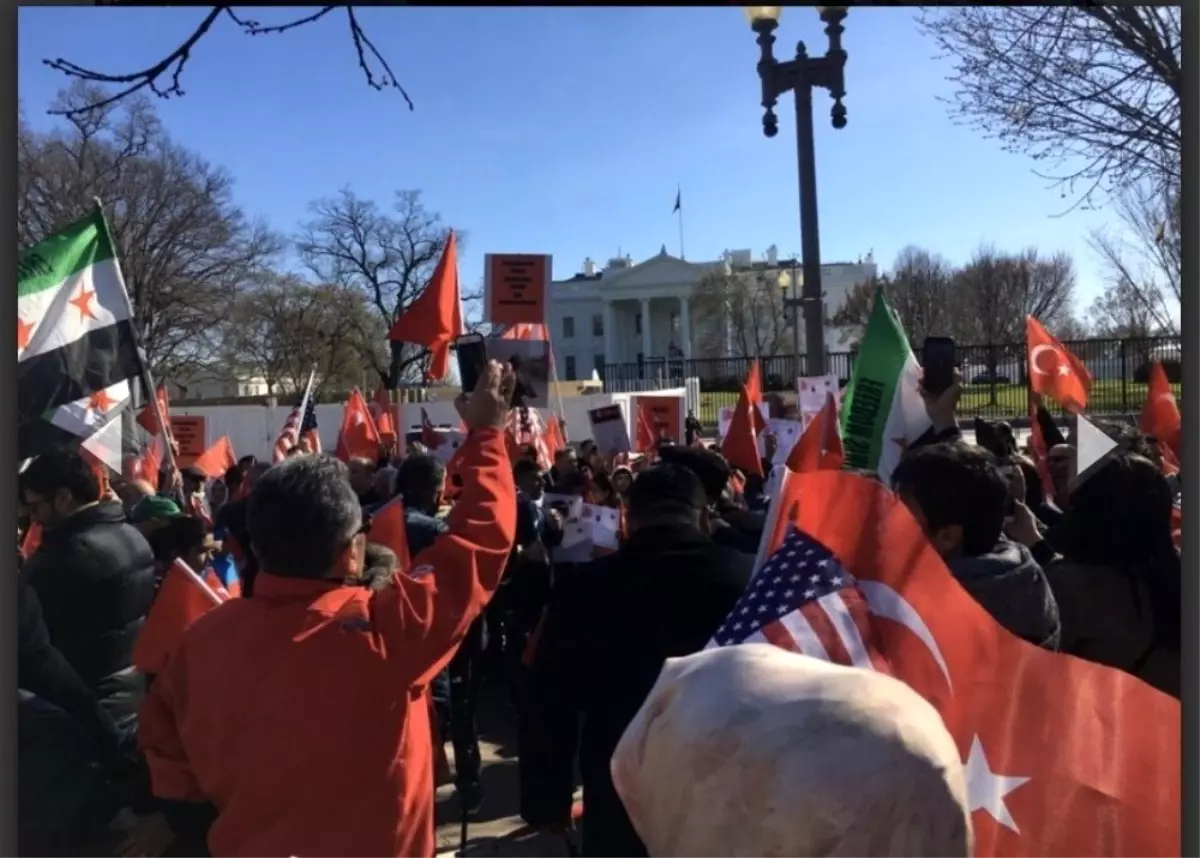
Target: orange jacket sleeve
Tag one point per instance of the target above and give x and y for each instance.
(426, 614)
(158, 736)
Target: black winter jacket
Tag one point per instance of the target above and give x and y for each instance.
(609, 628)
(94, 577)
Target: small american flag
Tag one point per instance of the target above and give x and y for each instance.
(804, 600)
(294, 429)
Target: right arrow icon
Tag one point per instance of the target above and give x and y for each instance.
(1092, 447)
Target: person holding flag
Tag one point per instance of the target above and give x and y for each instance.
(326, 654)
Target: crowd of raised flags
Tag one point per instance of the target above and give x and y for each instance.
(1063, 756)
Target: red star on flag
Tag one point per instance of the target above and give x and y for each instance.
(100, 402)
(24, 332)
(84, 302)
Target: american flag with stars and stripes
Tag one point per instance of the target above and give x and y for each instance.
(805, 601)
(294, 428)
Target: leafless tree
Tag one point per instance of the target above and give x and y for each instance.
(185, 246)
(163, 77)
(1144, 260)
(1123, 311)
(919, 290)
(388, 257)
(1093, 91)
(1000, 289)
(745, 310)
(284, 326)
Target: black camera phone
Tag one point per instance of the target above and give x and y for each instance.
(937, 361)
(472, 358)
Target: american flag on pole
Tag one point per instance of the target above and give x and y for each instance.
(289, 436)
(295, 428)
(805, 601)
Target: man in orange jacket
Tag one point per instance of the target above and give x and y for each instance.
(299, 713)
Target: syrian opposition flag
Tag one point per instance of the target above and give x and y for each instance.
(76, 347)
(882, 409)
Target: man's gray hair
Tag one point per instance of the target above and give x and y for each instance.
(302, 514)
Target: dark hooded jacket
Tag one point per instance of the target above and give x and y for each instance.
(94, 577)
(609, 628)
(1010, 584)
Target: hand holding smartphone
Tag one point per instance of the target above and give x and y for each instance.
(471, 351)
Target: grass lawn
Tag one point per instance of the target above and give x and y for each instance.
(1003, 401)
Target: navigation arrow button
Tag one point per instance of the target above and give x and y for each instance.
(1092, 448)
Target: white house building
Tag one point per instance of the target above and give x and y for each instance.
(627, 313)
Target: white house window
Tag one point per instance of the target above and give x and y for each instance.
(598, 364)
(568, 327)
(597, 325)
(676, 321)
(637, 323)
(570, 367)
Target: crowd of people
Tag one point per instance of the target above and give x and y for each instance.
(310, 715)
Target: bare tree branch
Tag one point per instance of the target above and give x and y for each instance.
(1144, 260)
(388, 258)
(918, 289)
(1097, 86)
(1126, 310)
(151, 77)
(283, 326)
(186, 248)
(746, 305)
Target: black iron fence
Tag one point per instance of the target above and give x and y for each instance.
(994, 375)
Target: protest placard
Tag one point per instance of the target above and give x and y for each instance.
(515, 286)
(609, 429)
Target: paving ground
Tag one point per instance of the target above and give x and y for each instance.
(497, 829)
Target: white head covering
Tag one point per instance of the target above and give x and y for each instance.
(753, 750)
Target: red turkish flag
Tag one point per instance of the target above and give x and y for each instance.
(148, 417)
(1054, 371)
(358, 437)
(183, 597)
(740, 445)
(820, 447)
(217, 459)
(434, 318)
(387, 529)
(753, 385)
(1062, 756)
(383, 415)
(1160, 415)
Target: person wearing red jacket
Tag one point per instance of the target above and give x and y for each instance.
(300, 713)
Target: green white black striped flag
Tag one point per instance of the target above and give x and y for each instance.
(882, 409)
(76, 346)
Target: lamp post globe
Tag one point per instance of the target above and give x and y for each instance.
(755, 14)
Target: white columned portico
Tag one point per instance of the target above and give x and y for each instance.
(646, 328)
(685, 327)
(610, 334)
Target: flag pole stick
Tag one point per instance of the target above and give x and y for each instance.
(679, 211)
(143, 364)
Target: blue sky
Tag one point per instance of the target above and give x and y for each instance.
(566, 131)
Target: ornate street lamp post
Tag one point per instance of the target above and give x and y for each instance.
(801, 75)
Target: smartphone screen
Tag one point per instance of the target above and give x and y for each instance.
(937, 361)
(472, 358)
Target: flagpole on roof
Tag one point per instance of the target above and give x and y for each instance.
(147, 381)
(679, 211)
